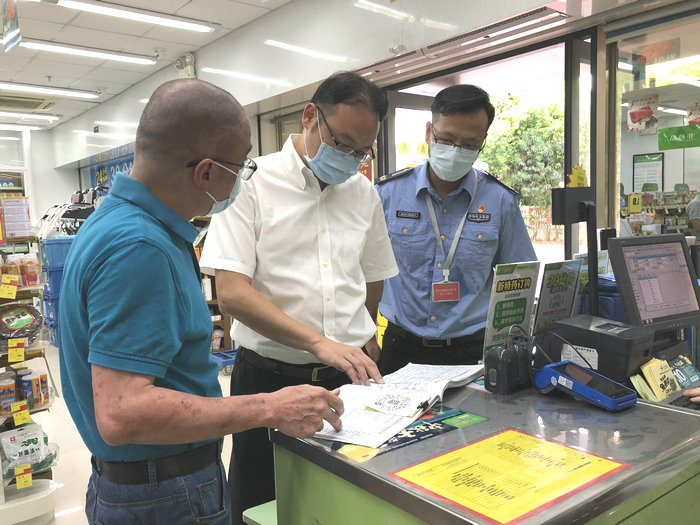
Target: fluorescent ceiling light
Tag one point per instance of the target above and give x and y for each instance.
(9, 138)
(92, 134)
(246, 76)
(117, 124)
(305, 51)
(143, 101)
(17, 127)
(138, 15)
(68, 49)
(438, 25)
(383, 10)
(625, 66)
(37, 116)
(673, 110)
(44, 90)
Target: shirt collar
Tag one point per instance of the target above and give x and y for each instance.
(135, 192)
(295, 166)
(422, 181)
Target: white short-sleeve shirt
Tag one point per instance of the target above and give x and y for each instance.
(310, 252)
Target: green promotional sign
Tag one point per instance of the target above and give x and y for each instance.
(679, 137)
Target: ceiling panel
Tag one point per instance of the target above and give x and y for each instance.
(12, 63)
(92, 38)
(55, 68)
(115, 75)
(44, 11)
(110, 24)
(40, 78)
(229, 14)
(109, 88)
(39, 29)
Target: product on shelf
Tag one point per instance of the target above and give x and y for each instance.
(19, 321)
(26, 445)
(8, 394)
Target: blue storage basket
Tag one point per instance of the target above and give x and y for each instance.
(54, 251)
(52, 280)
(53, 333)
(51, 309)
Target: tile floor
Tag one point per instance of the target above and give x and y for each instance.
(71, 474)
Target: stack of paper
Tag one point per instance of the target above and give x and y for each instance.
(375, 413)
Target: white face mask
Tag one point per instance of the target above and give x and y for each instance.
(449, 163)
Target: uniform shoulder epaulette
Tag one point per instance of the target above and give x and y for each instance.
(392, 176)
(514, 192)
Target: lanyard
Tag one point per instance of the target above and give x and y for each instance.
(453, 247)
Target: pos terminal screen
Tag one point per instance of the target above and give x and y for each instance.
(593, 381)
(660, 280)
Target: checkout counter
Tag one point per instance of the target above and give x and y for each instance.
(650, 454)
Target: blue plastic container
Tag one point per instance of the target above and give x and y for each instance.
(54, 251)
(51, 310)
(52, 280)
(53, 332)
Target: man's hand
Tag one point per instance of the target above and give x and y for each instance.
(373, 349)
(349, 359)
(299, 411)
(693, 394)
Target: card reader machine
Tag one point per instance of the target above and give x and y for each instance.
(584, 384)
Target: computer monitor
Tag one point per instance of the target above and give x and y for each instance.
(656, 281)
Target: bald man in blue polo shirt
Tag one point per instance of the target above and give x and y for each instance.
(135, 330)
(449, 225)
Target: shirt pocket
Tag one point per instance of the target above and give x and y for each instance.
(475, 254)
(410, 240)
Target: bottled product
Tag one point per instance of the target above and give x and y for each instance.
(12, 267)
(29, 269)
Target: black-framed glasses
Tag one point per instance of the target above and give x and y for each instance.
(245, 170)
(363, 156)
(468, 147)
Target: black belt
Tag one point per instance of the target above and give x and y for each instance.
(168, 467)
(311, 372)
(436, 343)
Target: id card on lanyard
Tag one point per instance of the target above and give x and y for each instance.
(446, 290)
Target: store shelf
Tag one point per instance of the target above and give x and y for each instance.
(674, 95)
(37, 501)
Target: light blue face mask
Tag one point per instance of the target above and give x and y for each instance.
(330, 165)
(220, 206)
(449, 163)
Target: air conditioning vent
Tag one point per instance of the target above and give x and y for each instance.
(26, 103)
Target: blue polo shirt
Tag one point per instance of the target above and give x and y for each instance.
(131, 300)
(494, 233)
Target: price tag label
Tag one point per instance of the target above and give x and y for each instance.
(23, 475)
(15, 350)
(20, 413)
(635, 203)
(8, 286)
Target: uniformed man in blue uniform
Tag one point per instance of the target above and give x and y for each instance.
(449, 224)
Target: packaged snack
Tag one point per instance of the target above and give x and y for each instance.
(8, 392)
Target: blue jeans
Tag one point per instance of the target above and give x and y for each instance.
(202, 497)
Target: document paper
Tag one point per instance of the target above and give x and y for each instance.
(375, 413)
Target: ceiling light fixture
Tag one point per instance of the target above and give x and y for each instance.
(674, 111)
(68, 49)
(246, 76)
(94, 135)
(427, 22)
(143, 101)
(44, 90)
(17, 127)
(9, 138)
(138, 15)
(37, 116)
(305, 51)
(117, 124)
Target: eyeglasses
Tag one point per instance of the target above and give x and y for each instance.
(245, 170)
(469, 147)
(363, 156)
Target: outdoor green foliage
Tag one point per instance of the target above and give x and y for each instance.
(525, 150)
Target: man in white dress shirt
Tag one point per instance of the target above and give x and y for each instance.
(300, 263)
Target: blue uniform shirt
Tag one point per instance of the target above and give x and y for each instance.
(131, 300)
(493, 234)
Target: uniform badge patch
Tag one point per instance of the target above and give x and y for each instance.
(479, 217)
(407, 214)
